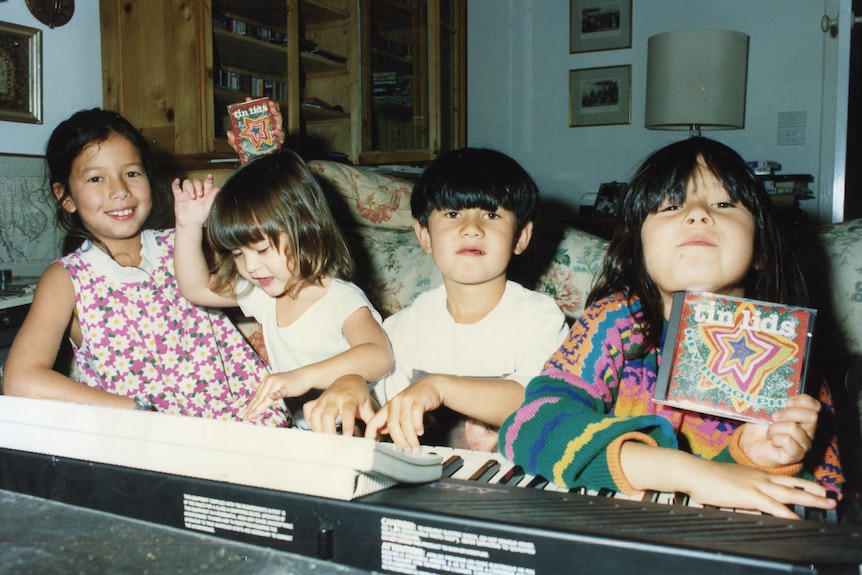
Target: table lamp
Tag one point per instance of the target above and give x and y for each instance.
(696, 80)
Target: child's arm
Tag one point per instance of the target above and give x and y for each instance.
(488, 400)
(29, 368)
(347, 397)
(726, 485)
(192, 203)
(369, 357)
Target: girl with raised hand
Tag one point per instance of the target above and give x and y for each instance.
(280, 256)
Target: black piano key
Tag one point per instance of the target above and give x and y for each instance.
(605, 492)
(538, 482)
(681, 499)
(452, 465)
(485, 471)
(513, 476)
(832, 514)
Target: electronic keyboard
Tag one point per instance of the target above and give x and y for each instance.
(493, 468)
(444, 525)
(284, 459)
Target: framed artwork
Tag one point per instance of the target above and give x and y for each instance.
(20, 74)
(599, 25)
(600, 96)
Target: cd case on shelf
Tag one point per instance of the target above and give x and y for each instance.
(253, 128)
(733, 357)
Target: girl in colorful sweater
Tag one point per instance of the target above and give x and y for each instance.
(694, 218)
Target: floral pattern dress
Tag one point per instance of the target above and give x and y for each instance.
(141, 338)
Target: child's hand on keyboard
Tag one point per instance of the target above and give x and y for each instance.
(347, 398)
(402, 418)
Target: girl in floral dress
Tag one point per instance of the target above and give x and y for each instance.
(137, 343)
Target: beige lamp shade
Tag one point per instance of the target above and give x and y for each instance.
(696, 80)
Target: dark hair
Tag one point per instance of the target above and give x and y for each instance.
(271, 195)
(475, 178)
(67, 141)
(665, 174)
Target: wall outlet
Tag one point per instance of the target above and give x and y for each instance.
(792, 119)
(791, 136)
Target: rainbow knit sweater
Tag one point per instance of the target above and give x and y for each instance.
(589, 399)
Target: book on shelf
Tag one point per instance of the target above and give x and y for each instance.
(253, 128)
(733, 357)
(764, 167)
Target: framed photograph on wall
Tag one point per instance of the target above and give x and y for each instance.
(20, 74)
(599, 25)
(600, 96)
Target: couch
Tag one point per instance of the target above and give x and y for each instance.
(374, 211)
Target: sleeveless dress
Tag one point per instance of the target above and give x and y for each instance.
(141, 338)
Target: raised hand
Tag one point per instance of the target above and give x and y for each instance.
(193, 200)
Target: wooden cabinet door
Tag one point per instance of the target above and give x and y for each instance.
(155, 71)
(413, 79)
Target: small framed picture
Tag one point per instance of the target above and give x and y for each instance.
(20, 74)
(600, 96)
(599, 25)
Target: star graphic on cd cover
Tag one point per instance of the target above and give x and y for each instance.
(257, 131)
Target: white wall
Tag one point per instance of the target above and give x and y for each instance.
(518, 64)
(71, 73)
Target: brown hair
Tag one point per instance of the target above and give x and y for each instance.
(273, 195)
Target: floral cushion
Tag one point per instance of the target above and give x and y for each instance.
(371, 198)
(569, 276)
(393, 269)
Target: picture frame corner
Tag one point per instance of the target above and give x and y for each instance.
(20, 73)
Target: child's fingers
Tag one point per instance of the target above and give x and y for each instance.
(802, 412)
(418, 420)
(366, 411)
(348, 423)
(376, 424)
(262, 399)
(322, 415)
(401, 431)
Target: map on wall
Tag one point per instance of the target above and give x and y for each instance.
(26, 221)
